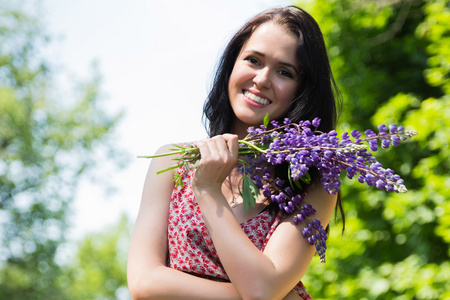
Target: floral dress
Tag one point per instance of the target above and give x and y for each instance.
(190, 246)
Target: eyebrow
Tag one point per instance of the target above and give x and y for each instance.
(281, 62)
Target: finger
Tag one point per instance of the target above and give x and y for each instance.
(203, 148)
(229, 136)
(212, 151)
(221, 146)
(232, 143)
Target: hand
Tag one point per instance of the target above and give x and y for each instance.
(218, 158)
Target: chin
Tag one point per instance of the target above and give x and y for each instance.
(255, 122)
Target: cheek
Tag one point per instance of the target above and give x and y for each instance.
(239, 76)
(286, 92)
(232, 81)
(232, 84)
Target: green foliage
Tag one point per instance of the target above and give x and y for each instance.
(46, 144)
(250, 192)
(391, 60)
(99, 270)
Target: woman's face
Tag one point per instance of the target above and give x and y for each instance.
(265, 76)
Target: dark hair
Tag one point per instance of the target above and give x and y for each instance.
(317, 96)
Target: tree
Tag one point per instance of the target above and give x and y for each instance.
(46, 145)
(98, 270)
(391, 60)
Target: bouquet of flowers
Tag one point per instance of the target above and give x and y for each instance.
(302, 147)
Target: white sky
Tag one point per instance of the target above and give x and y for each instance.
(157, 58)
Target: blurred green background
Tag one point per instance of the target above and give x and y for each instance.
(391, 60)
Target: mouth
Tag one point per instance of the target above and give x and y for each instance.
(257, 99)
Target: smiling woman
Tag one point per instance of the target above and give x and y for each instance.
(195, 240)
(264, 79)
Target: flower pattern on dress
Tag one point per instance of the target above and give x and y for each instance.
(191, 248)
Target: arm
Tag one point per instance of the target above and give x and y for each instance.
(148, 275)
(256, 275)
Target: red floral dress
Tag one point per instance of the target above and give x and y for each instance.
(190, 246)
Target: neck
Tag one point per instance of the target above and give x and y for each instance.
(239, 128)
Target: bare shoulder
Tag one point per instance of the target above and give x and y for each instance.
(323, 202)
(162, 159)
(157, 181)
(288, 250)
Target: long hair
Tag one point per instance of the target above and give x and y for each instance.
(317, 95)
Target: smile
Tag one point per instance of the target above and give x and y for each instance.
(256, 99)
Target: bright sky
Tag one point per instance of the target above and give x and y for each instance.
(157, 58)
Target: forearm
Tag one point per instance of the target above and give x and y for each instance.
(286, 256)
(166, 283)
(250, 270)
(254, 274)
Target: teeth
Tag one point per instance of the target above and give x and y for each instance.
(255, 98)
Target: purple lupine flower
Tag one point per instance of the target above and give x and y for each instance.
(385, 144)
(395, 140)
(355, 133)
(382, 128)
(393, 128)
(301, 148)
(316, 122)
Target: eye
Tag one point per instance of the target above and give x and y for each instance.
(253, 60)
(285, 73)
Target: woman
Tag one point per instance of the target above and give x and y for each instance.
(214, 249)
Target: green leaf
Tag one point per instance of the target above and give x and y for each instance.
(306, 178)
(250, 192)
(178, 179)
(266, 120)
(291, 182)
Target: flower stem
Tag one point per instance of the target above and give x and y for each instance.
(252, 146)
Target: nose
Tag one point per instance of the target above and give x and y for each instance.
(262, 78)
